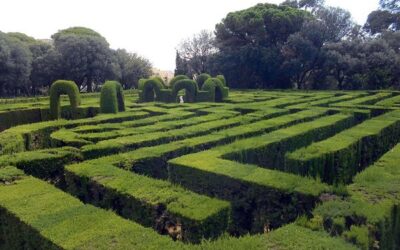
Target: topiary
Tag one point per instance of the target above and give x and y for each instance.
(58, 88)
(149, 89)
(175, 79)
(190, 87)
(159, 79)
(222, 79)
(112, 97)
(200, 79)
(215, 88)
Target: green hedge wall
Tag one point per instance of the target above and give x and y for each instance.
(63, 87)
(112, 97)
(190, 87)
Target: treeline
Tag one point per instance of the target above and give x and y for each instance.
(300, 44)
(29, 66)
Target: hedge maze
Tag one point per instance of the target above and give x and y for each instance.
(255, 170)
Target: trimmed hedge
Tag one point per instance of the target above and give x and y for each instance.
(112, 98)
(370, 215)
(201, 79)
(161, 206)
(215, 89)
(36, 215)
(151, 161)
(190, 88)
(222, 79)
(159, 79)
(339, 158)
(58, 88)
(175, 79)
(200, 126)
(150, 90)
(46, 164)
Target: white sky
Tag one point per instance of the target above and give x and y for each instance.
(152, 28)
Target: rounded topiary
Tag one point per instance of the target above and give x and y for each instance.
(215, 88)
(222, 79)
(112, 97)
(175, 79)
(190, 88)
(200, 79)
(159, 79)
(61, 87)
(149, 89)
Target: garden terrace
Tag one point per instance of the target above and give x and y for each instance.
(261, 170)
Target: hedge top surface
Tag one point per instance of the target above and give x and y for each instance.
(347, 137)
(50, 210)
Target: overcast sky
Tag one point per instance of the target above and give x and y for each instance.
(152, 28)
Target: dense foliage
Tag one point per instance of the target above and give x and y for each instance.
(301, 44)
(29, 66)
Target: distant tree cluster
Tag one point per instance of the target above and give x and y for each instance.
(29, 66)
(300, 44)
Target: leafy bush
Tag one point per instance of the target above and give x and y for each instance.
(112, 97)
(58, 88)
(190, 87)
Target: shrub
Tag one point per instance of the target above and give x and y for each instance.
(112, 97)
(149, 89)
(215, 88)
(201, 79)
(175, 79)
(58, 88)
(190, 87)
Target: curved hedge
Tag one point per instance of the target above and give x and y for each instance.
(202, 78)
(175, 79)
(159, 79)
(112, 97)
(190, 87)
(222, 79)
(150, 89)
(58, 88)
(215, 88)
